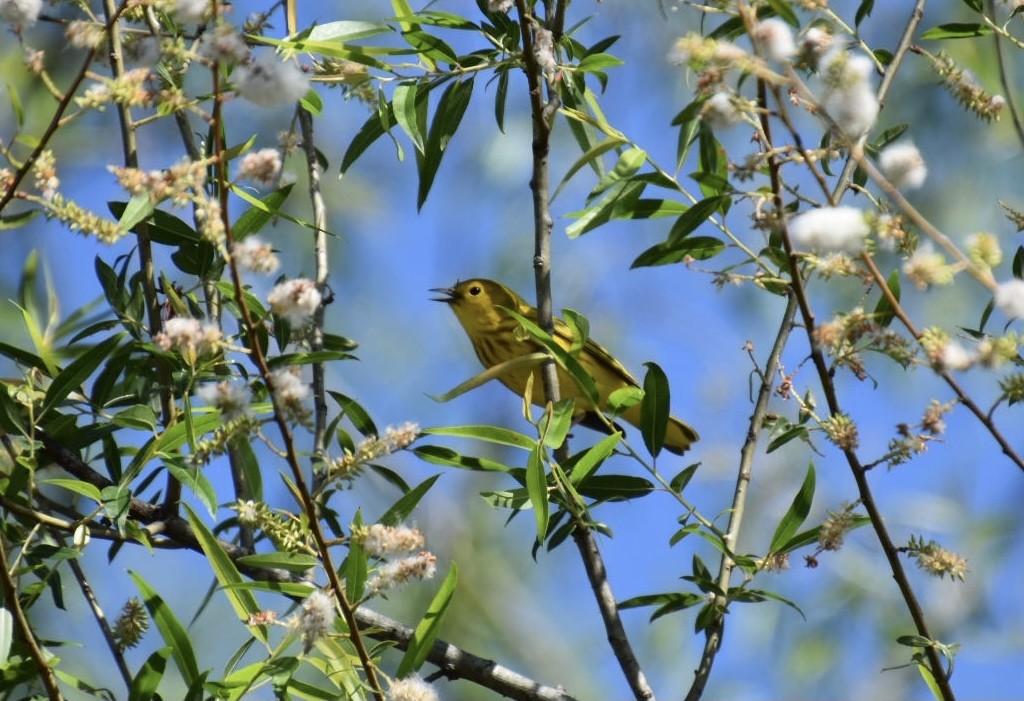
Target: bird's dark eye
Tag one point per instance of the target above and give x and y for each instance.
(475, 290)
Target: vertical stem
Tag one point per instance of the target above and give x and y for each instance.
(316, 196)
(543, 112)
(867, 497)
(130, 148)
(713, 637)
(11, 602)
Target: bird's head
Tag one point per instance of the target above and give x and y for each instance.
(478, 303)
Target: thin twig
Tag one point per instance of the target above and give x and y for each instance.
(713, 637)
(1004, 79)
(856, 468)
(543, 113)
(101, 620)
(13, 604)
(962, 395)
(316, 196)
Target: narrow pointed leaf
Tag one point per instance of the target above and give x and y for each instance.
(797, 512)
(171, 631)
(429, 626)
(654, 408)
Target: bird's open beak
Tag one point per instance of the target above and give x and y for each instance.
(448, 292)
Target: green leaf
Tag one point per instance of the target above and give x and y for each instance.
(615, 487)
(490, 373)
(440, 455)
(244, 458)
(242, 601)
(591, 157)
(71, 378)
(429, 626)
(598, 62)
(785, 10)
(171, 631)
(372, 129)
(139, 417)
(500, 98)
(695, 216)
(668, 252)
(292, 562)
(797, 512)
(196, 480)
(630, 161)
(586, 462)
(537, 490)
(89, 491)
(957, 30)
(863, 11)
(794, 431)
(450, 110)
(555, 426)
(884, 311)
(583, 380)
(346, 30)
(665, 603)
(15, 221)
(355, 412)
(401, 509)
(255, 218)
(619, 202)
(139, 208)
(410, 112)
(489, 434)
(654, 408)
(679, 482)
(145, 683)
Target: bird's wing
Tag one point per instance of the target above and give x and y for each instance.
(602, 358)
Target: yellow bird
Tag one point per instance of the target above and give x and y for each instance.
(497, 337)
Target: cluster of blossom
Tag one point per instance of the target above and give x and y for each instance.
(846, 334)
(285, 531)
(263, 167)
(267, 81)
(936, 560)
(394, 573)
(291, 392)
(316, 619)
(841, 430)
(373, 447)
(131, 624)
(834, 528)
(948, 354)
(296, 300)
(962, 84)
(411, 689)
(499, 6)
(189, 336)
(221, 439)
(76, 218)
(131, 89)
(544, 52)
(383, 541)
(181, 183)
(903, 165)
(396, 546)
(231, 397)
(20, 13)
(45, 172)
(840, 229)
(849, 97)
(255, 254)
(910, 443)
